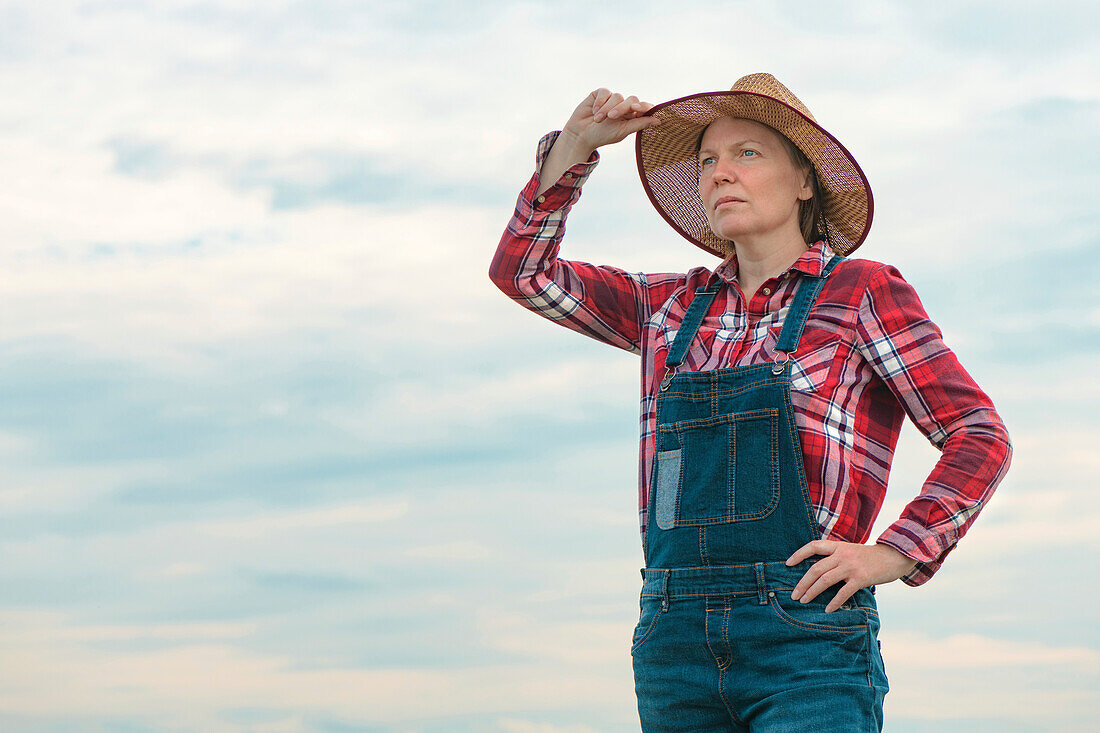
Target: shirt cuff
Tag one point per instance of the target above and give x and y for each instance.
(565, 192)
(919, 543)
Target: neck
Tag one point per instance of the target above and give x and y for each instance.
(759, 259)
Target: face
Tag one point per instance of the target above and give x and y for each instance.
(749, 186)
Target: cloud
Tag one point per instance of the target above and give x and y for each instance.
(461, 551)
(965, 674)
(190, 684)
(518, 725)
(306, 178)
(272, 440)
(318, 517)
(970, 651)
(29, 628)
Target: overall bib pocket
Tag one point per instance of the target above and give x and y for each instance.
(733, 473)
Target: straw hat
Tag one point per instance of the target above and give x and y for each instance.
(669, 168)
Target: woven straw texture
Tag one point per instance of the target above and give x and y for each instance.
(670, 172)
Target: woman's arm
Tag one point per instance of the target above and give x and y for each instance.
(606, 303)
(906, 349)
(602, 118)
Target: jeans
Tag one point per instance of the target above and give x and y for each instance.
(751, 659)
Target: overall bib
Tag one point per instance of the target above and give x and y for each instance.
(720, 645)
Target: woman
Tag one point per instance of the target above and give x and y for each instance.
(773, 391)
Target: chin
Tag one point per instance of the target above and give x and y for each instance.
(727, 233)
(729, 228)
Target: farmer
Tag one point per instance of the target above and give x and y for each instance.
(774, 387)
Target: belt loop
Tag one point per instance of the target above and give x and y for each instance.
(760, 595)
(642, 571)
(664, 590)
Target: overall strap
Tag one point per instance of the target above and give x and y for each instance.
(700, 304)
(809, 287)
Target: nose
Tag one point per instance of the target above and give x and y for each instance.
(722, 172)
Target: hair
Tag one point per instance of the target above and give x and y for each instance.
(811, 219)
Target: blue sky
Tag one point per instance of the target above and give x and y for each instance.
(278, 457)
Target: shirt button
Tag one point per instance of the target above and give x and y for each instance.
(541, 199)
(568, 174)
(767, 291)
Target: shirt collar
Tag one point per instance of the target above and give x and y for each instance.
(811, 262)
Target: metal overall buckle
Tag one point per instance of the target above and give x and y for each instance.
(667, 380)
(777, 365)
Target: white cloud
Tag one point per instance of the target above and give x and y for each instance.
(183, 569)
(186, 267)
(974, 677)
(460, 551)
(917, 651)
(191, 683)
(518, 725)
(420, 411)
(22, 629)
(313, 518)
(577, 643)
(57, 488)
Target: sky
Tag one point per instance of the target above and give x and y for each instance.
(277, 456)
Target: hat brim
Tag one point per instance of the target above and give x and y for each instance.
(667, 165)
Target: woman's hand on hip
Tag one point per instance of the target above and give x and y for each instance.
(857, 566)
(606, 117)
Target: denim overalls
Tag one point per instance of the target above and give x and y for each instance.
(720, 645)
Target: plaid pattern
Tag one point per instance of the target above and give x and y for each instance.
(869, 356)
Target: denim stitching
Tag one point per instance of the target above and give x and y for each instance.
(729, 663)
(649, 630)
(772, 415)
(661, 485)
(870, 657)
(731, 467)
(726, 630)
(694, 396)
(679, 484)
(709, 422)
(702, 594)
(706, 633)
(774, 420)
(812, 627)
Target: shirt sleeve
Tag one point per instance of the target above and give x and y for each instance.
(605, 303)
(907, 352)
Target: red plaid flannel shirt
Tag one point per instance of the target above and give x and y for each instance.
(869, 355)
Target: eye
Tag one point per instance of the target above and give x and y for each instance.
(746, 151)
(705, 160)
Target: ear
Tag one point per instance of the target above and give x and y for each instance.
(807, 191)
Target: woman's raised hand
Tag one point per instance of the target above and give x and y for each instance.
(601, 119)
(604, 118)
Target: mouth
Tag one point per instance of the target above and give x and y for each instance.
(727, 200)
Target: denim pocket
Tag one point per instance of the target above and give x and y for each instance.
(876, 672)
(669, 464)
(717, 470)
(847, 619)
(650, 612)
(837, 646)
